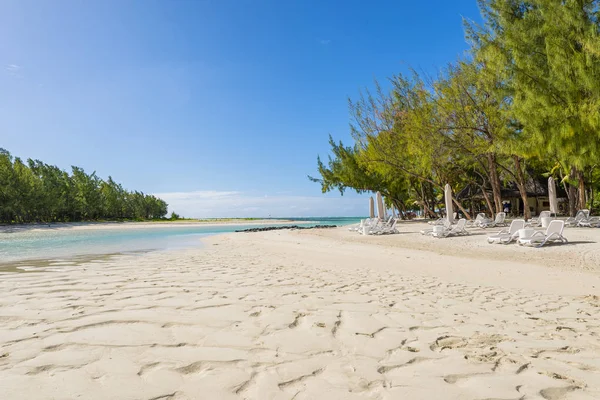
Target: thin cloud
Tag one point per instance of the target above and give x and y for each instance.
(200, 195)
(214, 204)
(324, 42)
(13, 69)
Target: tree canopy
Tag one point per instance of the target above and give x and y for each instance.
(38, 192)
(525, 102)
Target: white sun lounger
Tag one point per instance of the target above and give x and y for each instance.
(553, 234)
(444, 222)
(498, 221)
(506, 236)
(583, 219)
(479, 219)
(380, 227)
(454, 230)
(388, 229)
(369, 223)
(591, 222)
(582, 215)
(538, 221)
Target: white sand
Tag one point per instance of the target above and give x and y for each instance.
(310, 315)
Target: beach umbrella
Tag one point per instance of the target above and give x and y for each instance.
(552, 196)
(380, 208)
(448, 198)
(371, 207)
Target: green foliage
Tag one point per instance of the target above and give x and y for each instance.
(36, 192)
(548, 50)
(527, 100)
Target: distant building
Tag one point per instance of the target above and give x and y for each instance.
(537, 197)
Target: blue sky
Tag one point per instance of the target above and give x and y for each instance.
(220, 107)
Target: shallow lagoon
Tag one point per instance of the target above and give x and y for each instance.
(53, 242)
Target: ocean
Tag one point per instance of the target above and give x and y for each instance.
(48, 243)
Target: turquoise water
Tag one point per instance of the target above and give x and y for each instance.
(48, 243)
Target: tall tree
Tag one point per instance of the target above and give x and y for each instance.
(548, 52)
(35, 191)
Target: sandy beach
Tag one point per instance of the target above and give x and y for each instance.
(323, 314)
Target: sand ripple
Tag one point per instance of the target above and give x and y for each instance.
(246, 320)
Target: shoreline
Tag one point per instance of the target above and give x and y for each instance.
(132, 225)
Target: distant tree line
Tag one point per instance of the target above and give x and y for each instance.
(524, 102)
(38, 192)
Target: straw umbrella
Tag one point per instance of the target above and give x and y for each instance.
(448, 198)
(371, 207)
(552, 196)
(380, 208)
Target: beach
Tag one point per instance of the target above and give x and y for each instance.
(319, 314)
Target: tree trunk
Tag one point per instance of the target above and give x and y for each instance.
(572, 194)
(522, 188)
(495, 182)
(426, 209)
(399, 205)
(461, 208)
(582, 199)
(591, 185)
(488, 202)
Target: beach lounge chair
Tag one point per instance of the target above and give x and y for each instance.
(363, 222)
(479, 219)
(369, 223)
(590, 222)
(439, 221)
(443, 222)
(374, 223)
(498, 221)
(454, 230)
(508, 235)
(379, 227)
(538, 221)
(553, 234)
(583, 219)
(582, 215)
(387, 229)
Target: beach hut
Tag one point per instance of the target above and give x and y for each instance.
(537, 193)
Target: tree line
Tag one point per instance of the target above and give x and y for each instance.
(38, 192)
(524, 102)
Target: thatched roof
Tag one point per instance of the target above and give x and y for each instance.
(536, 187)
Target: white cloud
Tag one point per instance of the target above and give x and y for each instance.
(214, 204)
(325, 42)
(13, 69)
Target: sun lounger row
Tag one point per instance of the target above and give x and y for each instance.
(374, 226)
(530, 237)
(481, 221)
(447, 229)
